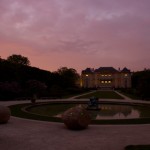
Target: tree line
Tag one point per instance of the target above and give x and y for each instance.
(19, 80)
(140, 82)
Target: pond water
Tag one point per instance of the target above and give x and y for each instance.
(106, 111)
(109, 111)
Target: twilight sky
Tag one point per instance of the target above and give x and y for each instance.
(77, 33)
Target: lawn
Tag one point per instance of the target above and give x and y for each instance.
(51, 109)
(132, 96)
(102, 95)
(16, 110)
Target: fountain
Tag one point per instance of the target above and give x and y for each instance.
(93, 104)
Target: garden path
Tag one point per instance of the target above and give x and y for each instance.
(24, 134)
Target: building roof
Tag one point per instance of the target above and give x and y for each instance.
(125, 70)
(87, 70)
(106, 70)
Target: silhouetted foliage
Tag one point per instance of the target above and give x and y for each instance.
(56, 91)
(69, 77)
(141, 83)
(35, 87)
(22, 81)
(18, 59)
(9, 90)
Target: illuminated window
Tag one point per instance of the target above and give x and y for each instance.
(86, 75)
(109, 75)
(106, 82)
(102, 81)
(109, 81)
(125, 75)
(105, 75)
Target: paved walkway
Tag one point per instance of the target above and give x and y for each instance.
(125, 97)
(24, 134)
(82, 94)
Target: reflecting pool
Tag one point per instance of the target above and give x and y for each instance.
(111, 111)
(105, 111)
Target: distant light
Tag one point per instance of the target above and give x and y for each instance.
(87, 75)
(125, 75)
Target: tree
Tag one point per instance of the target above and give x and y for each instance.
(56, 91)
(69, 77)
(144, 86)
(35, 86)
(18, 59)
(9, 90)
(141, 82)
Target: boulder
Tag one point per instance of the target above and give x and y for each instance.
(76, 118)
(4, 114)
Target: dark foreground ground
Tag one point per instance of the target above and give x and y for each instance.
(23, 134)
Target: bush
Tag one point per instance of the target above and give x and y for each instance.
(9, 90)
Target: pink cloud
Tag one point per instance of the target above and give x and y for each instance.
(77, 33)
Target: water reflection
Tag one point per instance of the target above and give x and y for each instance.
(106, 111)
(115, 112)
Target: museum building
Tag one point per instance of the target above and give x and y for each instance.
(106, 77)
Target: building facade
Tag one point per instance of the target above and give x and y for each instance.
(106, 77)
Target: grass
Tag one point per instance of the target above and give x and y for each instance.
(50, 110)
(137, 147)
(102, 95)
(17, 110)
(129, 93)
(132, 96)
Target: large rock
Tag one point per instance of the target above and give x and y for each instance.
(4, 114)
(76, 118)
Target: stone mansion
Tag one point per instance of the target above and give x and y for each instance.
(106, 77)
